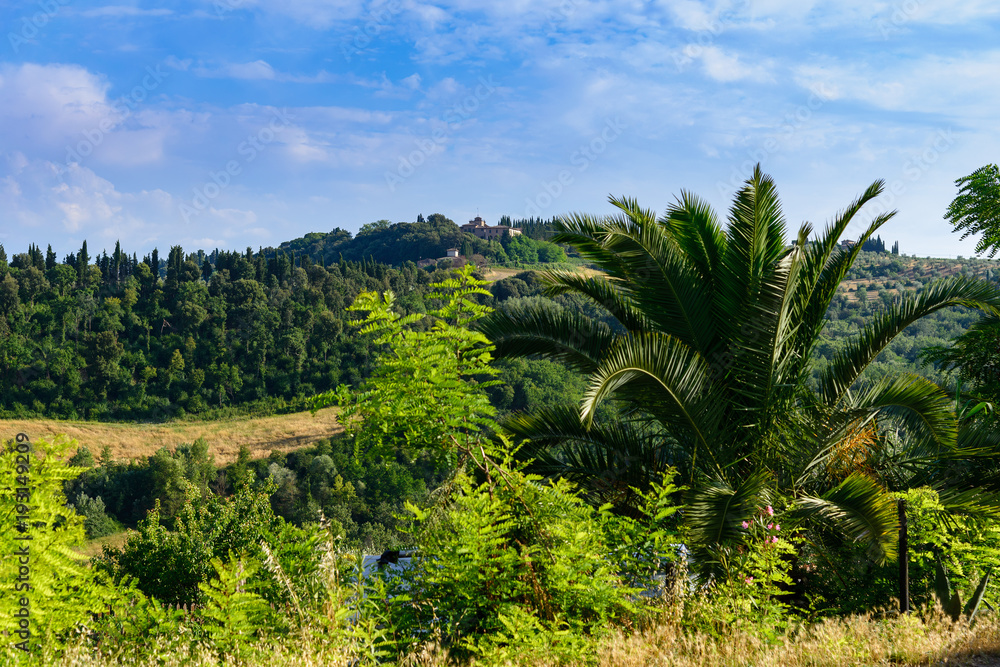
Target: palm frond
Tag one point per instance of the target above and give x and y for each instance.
(550, 332)
(715, 511)
(861, 509)
(919, 405)
(608, 460)
(695, 228)
(669, 368)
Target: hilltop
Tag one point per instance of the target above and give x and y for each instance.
(425, 239)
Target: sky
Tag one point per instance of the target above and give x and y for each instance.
(235, 123)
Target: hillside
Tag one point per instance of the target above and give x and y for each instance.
(876, 279)
(126, 442)
(401, 242)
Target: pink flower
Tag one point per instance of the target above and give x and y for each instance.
(746, 524)
(774, 539)
(770, 526)
(770, 510)
(777, 526)
(749, 580)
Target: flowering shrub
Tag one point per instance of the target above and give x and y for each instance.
(751, 581)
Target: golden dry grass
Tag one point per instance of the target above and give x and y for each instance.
(499, 273)
(261, 435)
(95, 547)
(929, 639)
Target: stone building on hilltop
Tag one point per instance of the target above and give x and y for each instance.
(484, 231)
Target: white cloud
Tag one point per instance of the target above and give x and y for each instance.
(38, 194)
(49, 103)
(258, 69)
(320, 14)
(233, 217)
(63, 113)
(948, 85)
(727, 67)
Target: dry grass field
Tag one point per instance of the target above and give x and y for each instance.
(494, 274)
(133, 441)
(920, 639)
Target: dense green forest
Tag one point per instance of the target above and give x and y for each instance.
(248, 332)
(208, 334)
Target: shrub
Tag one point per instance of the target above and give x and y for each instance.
(95, 521)
(510, 562)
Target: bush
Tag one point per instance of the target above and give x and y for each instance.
(95, 520)
(171, 564)
(512, 563)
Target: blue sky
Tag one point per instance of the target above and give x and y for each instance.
(235, 123)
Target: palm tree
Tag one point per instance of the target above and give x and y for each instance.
(705, 354)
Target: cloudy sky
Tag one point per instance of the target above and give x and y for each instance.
(235, 123)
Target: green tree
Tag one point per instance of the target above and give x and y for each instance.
(708, 364)
(372, 227)
(424, 394)
(976, 208)
(82, 266)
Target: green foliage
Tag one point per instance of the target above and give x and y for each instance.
(976, 208)
(951, 600)
(423, 395)
(234, 614)
(938, 527)
(708, 360)
(244, 333)
(975, 355)
(136, 625)
(352, 605)
(171, 564)
(37, 561)
(509, 563)
(95, 521)
(752, 577)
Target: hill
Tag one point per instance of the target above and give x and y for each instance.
(127, 442)
(875, 280)
(401, 242)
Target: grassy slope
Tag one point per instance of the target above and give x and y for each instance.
(224, 438)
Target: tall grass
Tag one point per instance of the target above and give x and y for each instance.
(927, 638)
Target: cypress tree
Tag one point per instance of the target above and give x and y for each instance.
(82, 265)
